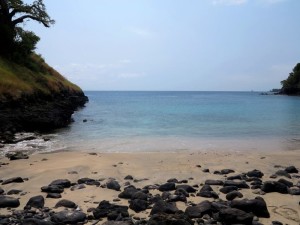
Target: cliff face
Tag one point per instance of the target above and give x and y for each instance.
(38, 99)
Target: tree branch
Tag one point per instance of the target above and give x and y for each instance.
(22, 18)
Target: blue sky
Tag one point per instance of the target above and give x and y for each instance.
(197, 45)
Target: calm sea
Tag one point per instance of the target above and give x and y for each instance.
(183, 121)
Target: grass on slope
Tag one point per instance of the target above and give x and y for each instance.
(17, 81)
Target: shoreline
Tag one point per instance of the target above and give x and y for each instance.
(150, 168)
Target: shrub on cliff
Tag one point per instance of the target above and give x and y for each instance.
(291, 85)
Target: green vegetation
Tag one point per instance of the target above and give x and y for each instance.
(17, 81)
(22, 72)
(291, 85)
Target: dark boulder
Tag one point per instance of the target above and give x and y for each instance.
(138, 205)
(238, 184)
(34, 221)
(186, 187)
(36, 202)
(164, 207)
(214, 182)
(291, 169)
(52, 189)
(114, 185)
(234, 194)
(294, 191)
(61, 182)
(199, 210)
(128, 177)
(9, 202)
(14, 192)
(257, 206)
(65, 203)
(13, 180)
(235, 216)
(207, 192)
(226, 171)
(274, 186)
(170, 186)
(283, 173)
(68, 217)
(227, 189)
(128, 192)
(88, 181)
(105, 208)
(17, 156)
(139, 195)
(286, 182)
(53, 195)
(170, 219)
(255, 173)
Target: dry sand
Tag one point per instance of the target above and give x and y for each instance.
(157, 167)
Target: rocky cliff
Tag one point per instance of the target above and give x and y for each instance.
(37, 98)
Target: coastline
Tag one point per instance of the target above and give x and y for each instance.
(149, 169)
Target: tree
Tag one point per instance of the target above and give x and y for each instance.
(12, 14)
(292, 84)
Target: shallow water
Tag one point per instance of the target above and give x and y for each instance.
(184, 121)
(177, 121)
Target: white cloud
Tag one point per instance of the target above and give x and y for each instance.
(229, 2)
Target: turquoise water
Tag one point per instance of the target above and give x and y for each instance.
(170, 121)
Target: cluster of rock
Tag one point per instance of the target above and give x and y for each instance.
(162, 207)
(39, 112)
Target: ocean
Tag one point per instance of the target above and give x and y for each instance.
(123, 121)
(132, 121)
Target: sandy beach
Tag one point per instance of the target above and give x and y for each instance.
(149, 169)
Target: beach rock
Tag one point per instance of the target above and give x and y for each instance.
(180, 191)
(291, 169)
(294, 191)
(65, 203)
(226, 171)
(139, 195)
(199, 210)
(118, 223)
(1, 191)
(88, 181)
(214, 182)
(170, 219)
(105, 208)
(238, 184)
(173, 180)
(138, 205)
(53, 195)
(257, 206)
(234, 194)
(205, 170)
(235, 216)
(14, 192)
(128, 177)
(9, 202)
(61, 182)
(177, 198)
(164, 207)
(52, 189)
(274, 186)
(276, 223)
(114, 185)
(68, 217)
(283, 173)
(227, 189)
(207, 192)
(13, 180)
(18, 156)
(36, 202)
(255, 173)
(128, 192)
(170, 186)
(34, 221)
(187, 188)
(286, 182)
(237, 177)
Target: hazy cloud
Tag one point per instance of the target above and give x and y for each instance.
(142, 32)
